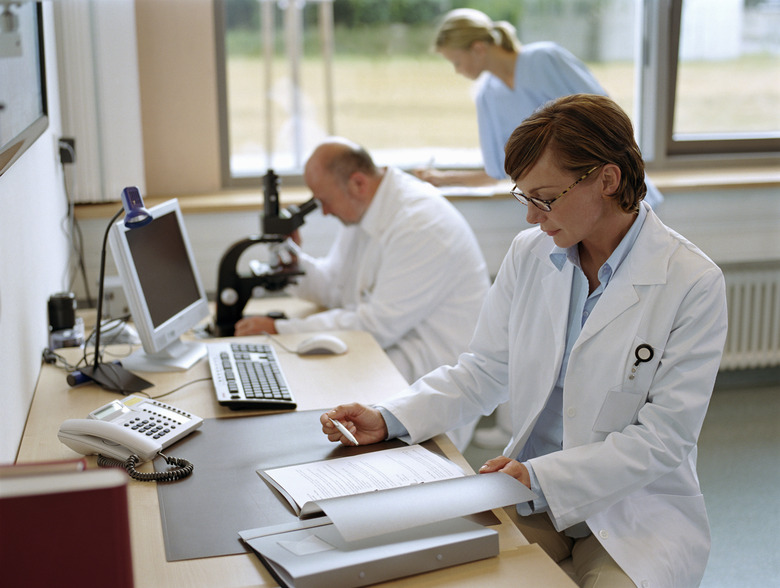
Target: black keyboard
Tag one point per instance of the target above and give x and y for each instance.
(248, 376)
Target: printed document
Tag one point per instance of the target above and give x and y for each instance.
(302, 485)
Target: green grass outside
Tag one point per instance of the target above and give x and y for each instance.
(419, 101)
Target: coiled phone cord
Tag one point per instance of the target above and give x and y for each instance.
(183, 468)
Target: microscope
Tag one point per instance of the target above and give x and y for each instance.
(235, 289)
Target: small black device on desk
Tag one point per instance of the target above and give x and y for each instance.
(234, 289)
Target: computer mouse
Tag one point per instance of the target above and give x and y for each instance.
(321, 344)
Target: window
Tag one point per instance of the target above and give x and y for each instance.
(723, 63)
(728, 76)
(295, 71)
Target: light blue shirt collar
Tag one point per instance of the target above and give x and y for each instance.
(559, 256)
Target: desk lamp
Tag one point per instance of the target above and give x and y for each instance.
(110, 375)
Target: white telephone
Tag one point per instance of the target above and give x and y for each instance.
(134, 428)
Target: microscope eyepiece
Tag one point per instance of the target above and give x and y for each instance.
(308, 206)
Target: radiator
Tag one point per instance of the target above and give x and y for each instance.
(753, 297)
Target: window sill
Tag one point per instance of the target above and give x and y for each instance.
(701, 178)
(251, 200)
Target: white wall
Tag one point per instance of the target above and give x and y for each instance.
(100, 96)
(728, 232)
(32, 263)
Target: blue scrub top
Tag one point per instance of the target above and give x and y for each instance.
(543, 71)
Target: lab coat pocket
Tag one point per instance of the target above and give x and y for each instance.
(623, 402)
(619, 409)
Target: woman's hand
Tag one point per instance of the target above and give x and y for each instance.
(508, 466)
(432, 176)
(454, 177)
(365, 423)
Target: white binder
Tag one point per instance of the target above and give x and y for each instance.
(369, 538)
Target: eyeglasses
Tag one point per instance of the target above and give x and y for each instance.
(546, 205)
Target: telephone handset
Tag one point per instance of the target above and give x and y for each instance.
(130, 431)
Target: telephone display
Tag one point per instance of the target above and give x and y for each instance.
(131, 426)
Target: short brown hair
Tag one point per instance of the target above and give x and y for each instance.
(584, 130)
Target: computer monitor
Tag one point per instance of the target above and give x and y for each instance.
(163, 289)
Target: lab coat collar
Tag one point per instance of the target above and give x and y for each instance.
(382, 206)
(559, 256)
(557, 292)
(645, 264)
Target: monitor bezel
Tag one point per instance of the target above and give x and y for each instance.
(155, 340)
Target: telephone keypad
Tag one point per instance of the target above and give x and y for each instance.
(155, 427)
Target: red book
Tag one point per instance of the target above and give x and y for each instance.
(65, 528)
(8, 470)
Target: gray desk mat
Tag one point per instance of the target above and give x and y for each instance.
(202, 514)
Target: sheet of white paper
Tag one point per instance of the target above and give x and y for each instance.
(377, 513)
(369, 472)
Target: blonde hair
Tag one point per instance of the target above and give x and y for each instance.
(463, 27)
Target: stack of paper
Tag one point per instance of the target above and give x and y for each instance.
(406, 518)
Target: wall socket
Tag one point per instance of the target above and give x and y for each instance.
(67, 147)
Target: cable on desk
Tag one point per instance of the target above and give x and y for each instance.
(105, 327)
(50, 356)
(207, 379)
(182, 469)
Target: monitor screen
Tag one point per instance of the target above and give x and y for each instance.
(164, 271)
(163, 289)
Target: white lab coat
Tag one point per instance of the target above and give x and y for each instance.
(411, 273)
(628, 464)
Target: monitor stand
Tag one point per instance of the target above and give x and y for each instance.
(178, 356)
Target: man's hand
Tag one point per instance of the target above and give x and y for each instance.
(286, 252)
(366, 424)
(509, 466)
(255, 325)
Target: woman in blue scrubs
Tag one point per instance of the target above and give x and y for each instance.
(512, 81)
(517, 80)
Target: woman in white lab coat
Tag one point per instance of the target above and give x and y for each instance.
(603, 331)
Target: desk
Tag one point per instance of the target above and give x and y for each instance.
(364, 373)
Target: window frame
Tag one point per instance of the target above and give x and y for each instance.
(657, 94)
(220, 42)
(657, 66)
